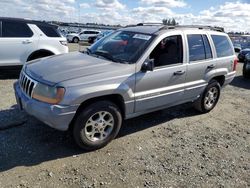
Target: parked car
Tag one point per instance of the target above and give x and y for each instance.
(133, 71)
(237, 48)
(246, 66)
(99, 36)
(25, 40)
(242, 54)
(83, 36)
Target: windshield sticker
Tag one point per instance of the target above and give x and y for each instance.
(142, 37)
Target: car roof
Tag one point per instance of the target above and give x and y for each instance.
(27, 21)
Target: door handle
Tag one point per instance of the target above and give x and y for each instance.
(27, 41)
(211, 66)
(179, 72)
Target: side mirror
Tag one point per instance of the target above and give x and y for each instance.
(148, 65)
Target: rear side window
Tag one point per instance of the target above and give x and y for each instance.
(49, 31)
(199, 47)
(196, 48)
(11, 29)
(222, 46)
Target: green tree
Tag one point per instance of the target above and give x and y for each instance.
(169, 22)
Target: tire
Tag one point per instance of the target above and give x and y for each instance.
(75, 40)
(245, 71)
(209, 98)
(91, 40)
(97, 125)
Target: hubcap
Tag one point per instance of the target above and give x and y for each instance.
(211, 97)
(99, 126)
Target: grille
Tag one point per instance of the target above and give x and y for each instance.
(27, 84)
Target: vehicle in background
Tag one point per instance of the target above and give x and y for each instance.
(237, 48)
(242, 54)
(24, 40)
(83, 36)
(246, 66)
(98, 37)
(133, 71)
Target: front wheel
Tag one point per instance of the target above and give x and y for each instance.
(75, 40)
(97, 125)
(209, 98)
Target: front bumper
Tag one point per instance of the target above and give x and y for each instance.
(56, 116)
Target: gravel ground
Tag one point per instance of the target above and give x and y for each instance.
(176, 147)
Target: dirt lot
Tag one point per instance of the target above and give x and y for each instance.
(175, 147)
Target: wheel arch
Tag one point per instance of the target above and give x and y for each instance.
(40, 52)
(117, 99)
(220, 79)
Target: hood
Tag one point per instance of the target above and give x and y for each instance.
(74, 65)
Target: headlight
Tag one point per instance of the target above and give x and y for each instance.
(44, 93)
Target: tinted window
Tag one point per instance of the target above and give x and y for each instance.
(15, 30)
(196, 48)
(207, 47)
(222, 46)
(169, 51)
(49, 31)
(0, 28)
(87, 32)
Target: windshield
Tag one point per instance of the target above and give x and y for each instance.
(121, 46)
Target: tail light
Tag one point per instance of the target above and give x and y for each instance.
(235, 64)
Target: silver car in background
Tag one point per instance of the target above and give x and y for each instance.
(82, 36)
(133, 71)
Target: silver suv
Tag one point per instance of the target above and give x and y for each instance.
(134, 71)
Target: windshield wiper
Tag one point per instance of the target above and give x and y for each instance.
(106, 55)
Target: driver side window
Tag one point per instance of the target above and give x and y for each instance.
(168, 52)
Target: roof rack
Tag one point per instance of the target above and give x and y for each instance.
(220, 29)
(149, 24)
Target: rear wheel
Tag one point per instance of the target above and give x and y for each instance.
(97, 125)
(209, 98)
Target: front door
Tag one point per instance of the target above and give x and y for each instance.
(165, 85)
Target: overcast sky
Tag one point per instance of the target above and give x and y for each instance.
(233, 15)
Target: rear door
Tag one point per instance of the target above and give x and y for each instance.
(201, 64)
(16, 42)
(224, 52)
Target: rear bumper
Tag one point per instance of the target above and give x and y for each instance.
(229, 78)
(56, 116)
